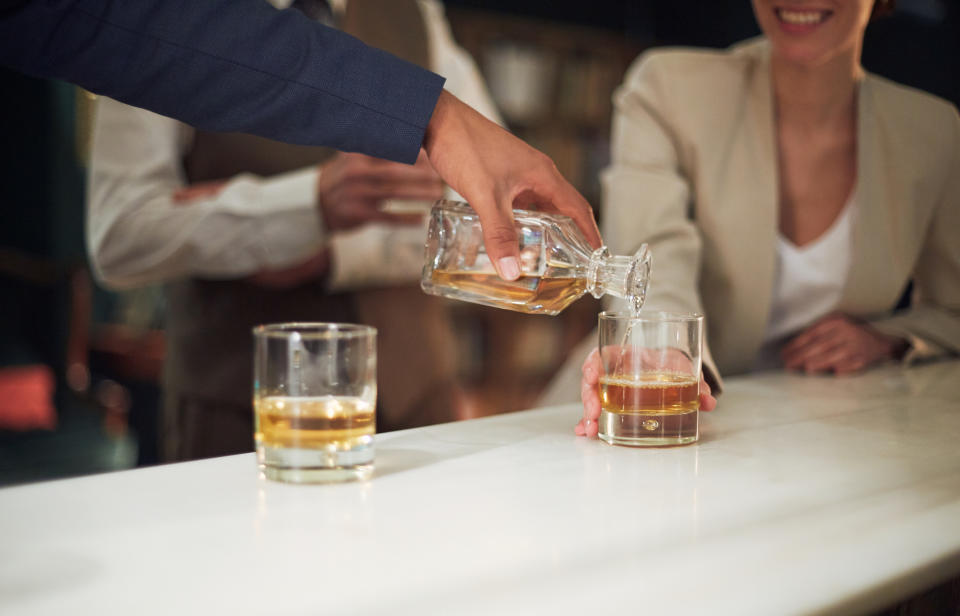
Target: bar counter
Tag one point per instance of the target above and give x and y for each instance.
(804, 495)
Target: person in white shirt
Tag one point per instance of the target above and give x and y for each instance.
(789, 196)
(243, 231)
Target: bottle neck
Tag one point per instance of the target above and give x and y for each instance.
(625, 277)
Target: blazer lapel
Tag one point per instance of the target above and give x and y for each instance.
(737, 211)
(759, 218)
(872, 260)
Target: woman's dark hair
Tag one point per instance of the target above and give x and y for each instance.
(882, 8)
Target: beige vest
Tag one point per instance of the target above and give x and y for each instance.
(210, 346)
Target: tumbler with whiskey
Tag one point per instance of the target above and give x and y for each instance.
(650, 378)
(314, 399)
(557, 264)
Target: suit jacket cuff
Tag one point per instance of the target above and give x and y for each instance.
(929, 332)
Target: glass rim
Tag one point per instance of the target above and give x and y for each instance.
(659, 316)
(314, 330)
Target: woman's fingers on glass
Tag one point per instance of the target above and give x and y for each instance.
(591, 401)
(579, 429)
(589, 395)
(629, 360)
(592, 367)
(707, 401)
(678, 361)
(592, 429)
(586, 428)
(591, 409)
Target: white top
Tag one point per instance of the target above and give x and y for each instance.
(788, 505)
(808, 283)
(138, 235)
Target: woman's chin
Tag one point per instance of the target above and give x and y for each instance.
(802, 55)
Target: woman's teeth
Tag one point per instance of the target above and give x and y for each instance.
(801, 17)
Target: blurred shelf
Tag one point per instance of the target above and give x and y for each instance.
(553, 82)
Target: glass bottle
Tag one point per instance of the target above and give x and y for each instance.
(557, 265)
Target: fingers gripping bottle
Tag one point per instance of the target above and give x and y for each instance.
(557, 264)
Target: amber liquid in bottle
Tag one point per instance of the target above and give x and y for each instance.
(530, 294)
(557, 264)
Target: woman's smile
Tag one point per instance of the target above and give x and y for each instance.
(801, 20)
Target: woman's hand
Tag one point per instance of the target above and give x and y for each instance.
(839, 344)
(590, 395)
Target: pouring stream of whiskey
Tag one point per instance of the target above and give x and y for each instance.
(635, 302)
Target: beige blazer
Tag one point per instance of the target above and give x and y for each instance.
(694, 174)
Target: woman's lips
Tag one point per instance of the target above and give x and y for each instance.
(800, 21)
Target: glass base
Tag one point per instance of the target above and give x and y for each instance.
(315, 466)
(649, 429)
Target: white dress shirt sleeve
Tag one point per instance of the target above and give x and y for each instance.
(137, 234)
(375, 255)
(385, 255)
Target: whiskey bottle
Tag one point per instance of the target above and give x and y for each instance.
(557, 264)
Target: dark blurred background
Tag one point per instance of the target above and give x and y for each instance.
(95, 356)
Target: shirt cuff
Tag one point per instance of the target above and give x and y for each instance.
(252, 195)
(376, 255)
(289, 239)
(920, 350)
(288, 226)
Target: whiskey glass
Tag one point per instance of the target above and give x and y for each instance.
(650, 378)
(314, 398)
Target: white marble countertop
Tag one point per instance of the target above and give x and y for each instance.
(804, 495)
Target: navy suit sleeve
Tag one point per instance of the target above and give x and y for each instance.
(228, 65)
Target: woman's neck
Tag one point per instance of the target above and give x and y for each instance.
(812, 97)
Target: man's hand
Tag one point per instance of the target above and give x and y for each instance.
(839, 344)
(497, 172)
(590, 395)
(352, 188)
